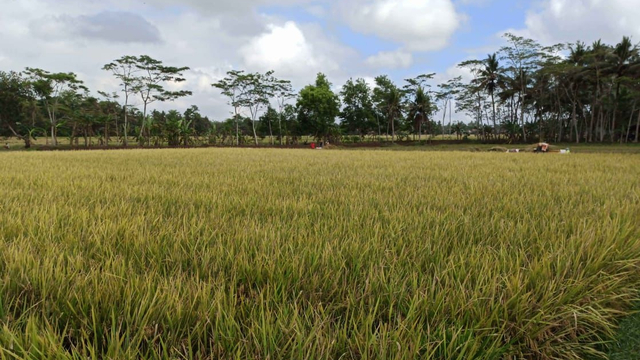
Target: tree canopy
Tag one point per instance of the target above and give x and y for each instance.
(523, 92)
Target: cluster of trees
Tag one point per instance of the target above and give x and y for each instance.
(358, 111)
(37, 102)
(524, 92)
(565, 92)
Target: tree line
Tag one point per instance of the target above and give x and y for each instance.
(524, 92)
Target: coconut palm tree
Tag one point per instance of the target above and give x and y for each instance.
(420, 108)
(489, 79)
(623, 58)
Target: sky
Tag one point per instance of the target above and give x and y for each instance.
(295, 38)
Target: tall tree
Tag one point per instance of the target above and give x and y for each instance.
(18, 109)
(446, 94)
(522, 56)
(258, 92)
(283, 92)
(151, 81)
(266, 122)
(48, 87)
(470, 97)
(110, 109)
(388, 98)
(624, 55)
(358, 115)
(234, 88)
(489, 80)
(419, 104)
(125, 70)
(318, 108)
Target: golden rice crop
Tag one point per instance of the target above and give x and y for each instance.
(285, 254)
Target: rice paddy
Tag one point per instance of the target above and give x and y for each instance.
(299, 254)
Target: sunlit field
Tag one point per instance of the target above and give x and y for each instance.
(300, 254)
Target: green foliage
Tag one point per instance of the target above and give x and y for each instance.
(252, 92)
(18, 111)
(388, 99)
(48, 88)
(358, 114)
(563, 92)
(146, 77)
(318, 108)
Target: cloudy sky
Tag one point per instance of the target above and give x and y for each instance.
(296, 38)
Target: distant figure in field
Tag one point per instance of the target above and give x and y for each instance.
(6, 146)
(542, 148)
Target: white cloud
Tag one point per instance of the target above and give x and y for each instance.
(220, 6)
(453, 72)
(284, 47)
(212, 37)
(390, 59)
(114, 26)
(38, 33)
(295, 52)
(189, 39)
(586, 20)
(420, 25)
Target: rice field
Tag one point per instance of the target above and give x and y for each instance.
(299, 254)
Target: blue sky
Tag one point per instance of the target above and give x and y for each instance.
(296, 38)
(484, 21)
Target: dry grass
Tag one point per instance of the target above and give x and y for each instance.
(278, 254)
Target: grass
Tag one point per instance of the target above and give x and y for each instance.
(280, 254)
(479, 147)
(438, 143)
(627, 343)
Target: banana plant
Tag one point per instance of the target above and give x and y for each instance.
(30, 132)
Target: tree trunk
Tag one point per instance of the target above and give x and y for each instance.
(612, 130)
(73, 134)
(635, 140)
(141, 135)
(26, 139)
(117, 129)
(54, 127)
(54, 142)
(393, 129)
(626, 139)
(615, 113)
(602, 117)
(593, 117)
(444, 118)
(524, 130)
(450, 118)
(237, 129)
(574, 120)
(280, 126)
(126, 126)
(106, 133)
(255, 136)
(493, 106)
